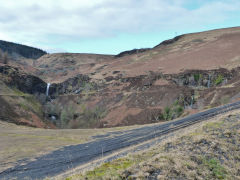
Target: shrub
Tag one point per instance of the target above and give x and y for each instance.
(172, 112)
(88, 117)
(219, 80)
(66, 116)
(196, 77)
(94, 115)
(167, 113)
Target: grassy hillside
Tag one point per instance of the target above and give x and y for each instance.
(26, 143)
(179, 76)
(19, 98)
(20, 108)
(209, 150)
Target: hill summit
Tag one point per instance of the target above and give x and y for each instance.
(16, 51)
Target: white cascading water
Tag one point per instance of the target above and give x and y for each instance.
(48, 86)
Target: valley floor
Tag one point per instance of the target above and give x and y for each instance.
(20, 144)
(208, 150)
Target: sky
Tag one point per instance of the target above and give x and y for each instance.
(109, 26)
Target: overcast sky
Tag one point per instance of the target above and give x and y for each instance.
(109, 26)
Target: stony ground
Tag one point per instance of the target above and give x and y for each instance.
(210, 150)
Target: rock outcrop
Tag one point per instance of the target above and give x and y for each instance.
(26, 83)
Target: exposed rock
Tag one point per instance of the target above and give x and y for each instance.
(170, 41)
(130, 52)
(72, 85)
(24, 82)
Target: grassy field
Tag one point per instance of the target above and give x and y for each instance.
(209, 150)
(24, 143)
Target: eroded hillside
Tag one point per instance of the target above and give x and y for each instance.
(180, 76)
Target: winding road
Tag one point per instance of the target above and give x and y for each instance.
(70, 157)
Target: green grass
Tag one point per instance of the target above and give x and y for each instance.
(107, 169)
(18, 92)
(172, 112)
(196, 77)
(218, 171)
(213, 125)
(219, 80)
(29, 103)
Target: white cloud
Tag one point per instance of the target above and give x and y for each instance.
(34, 21)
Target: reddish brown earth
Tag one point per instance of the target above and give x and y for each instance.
(192, 71)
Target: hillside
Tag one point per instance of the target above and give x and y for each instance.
(20, 143)
(183, 75)
(20, 98)
(61, 66)
(18, 51)
(180, 76)
(209, 150)
(199, 51)
(109, 99)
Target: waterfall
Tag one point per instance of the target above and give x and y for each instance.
(48, 86)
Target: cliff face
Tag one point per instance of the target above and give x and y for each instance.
(17, 51)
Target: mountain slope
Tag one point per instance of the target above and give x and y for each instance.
(179, 76)
(20, 98)
(202, 51)
(61, 66)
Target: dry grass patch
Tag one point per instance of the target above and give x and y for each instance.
(210, 150)
(25, 143)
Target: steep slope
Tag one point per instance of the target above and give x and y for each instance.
(61, 66)
(20, 98)
(200, 51)
(179, 76)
